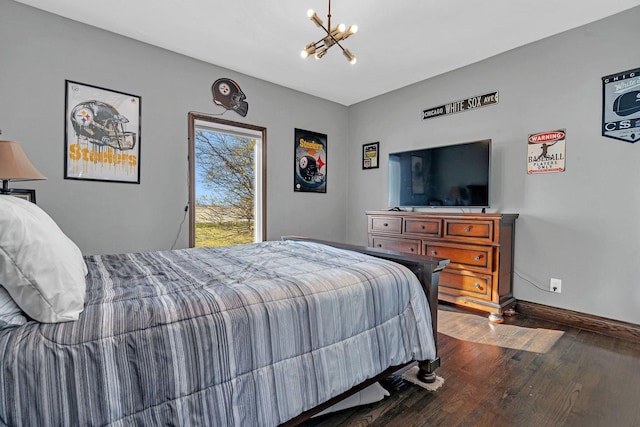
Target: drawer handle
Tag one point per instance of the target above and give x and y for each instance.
(477, 286)
(467, 229)
(411, 249)
(385, 224)
(422, 227)
(379, 245)
(434, 253)
(478, 257)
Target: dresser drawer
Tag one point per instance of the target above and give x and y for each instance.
(411, 246)
(386, 225)
(424, 227)
(479, 247)
(476, 285)
(472, 230)
(478, 257)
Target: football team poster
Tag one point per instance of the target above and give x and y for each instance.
(310, 161)
(102, 134)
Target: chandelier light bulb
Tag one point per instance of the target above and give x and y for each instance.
(314, 17)
(350, 31)
(321, 52)
(350, 56)
(308, 50)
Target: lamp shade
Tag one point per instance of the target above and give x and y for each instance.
(14, 164)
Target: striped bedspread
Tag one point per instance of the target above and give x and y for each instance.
(238, 336)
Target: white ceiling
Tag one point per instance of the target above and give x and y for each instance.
(398, 43)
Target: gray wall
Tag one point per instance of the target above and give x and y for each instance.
(38, 51)
(580, 225)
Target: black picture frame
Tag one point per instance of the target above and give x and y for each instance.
(371, 155)
(310, 162)
(28, 195)
(102, 134)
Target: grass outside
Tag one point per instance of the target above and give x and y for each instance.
(222, 234)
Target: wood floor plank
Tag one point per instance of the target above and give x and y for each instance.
(580, 379)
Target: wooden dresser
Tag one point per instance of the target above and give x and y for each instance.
(479, 247)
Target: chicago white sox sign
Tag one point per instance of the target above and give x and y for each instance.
(621, 106)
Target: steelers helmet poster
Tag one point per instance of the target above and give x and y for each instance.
(310, 168)
(102, 134)
(621, 106)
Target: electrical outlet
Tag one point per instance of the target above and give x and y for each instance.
(555, 285)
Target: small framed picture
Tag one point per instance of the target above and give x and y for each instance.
(28, 195)
(370, 155)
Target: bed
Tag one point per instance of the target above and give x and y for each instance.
(263, 334)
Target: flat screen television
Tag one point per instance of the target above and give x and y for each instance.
(452, 175)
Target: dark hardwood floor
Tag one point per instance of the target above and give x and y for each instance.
(525, 372)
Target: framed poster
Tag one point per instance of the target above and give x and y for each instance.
(310, 156)
(621, 106)
(102, 134)
(28, 195)
(370, 155)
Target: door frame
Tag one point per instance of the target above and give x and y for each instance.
(193, 117)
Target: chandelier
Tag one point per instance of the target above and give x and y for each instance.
(334, 36)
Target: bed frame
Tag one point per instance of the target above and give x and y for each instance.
(427, 270)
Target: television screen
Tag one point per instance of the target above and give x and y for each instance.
(453, 175)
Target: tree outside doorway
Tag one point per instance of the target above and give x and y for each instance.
(225, 189)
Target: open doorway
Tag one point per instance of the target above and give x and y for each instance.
(227, 182)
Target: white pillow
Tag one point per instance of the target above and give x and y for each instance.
(40, 267)
(10, 313)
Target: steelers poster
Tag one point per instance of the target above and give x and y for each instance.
(310, 168)
(621, 106)
(102, 134)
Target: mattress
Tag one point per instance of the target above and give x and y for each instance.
(248, 335)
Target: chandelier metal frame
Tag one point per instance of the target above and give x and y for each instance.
(332, 38)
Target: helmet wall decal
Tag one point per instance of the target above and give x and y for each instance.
(101, 124)
(228, 94)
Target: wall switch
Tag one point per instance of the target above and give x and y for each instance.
(555, 285)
